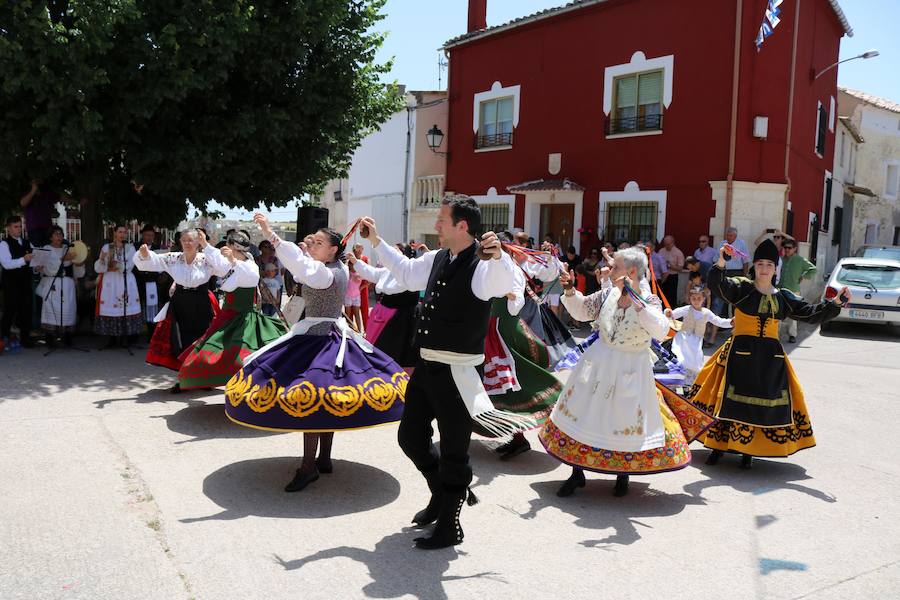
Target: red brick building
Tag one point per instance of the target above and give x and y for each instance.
(635, 118)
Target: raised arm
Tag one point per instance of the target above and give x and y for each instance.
(495, 278)
(304, 269)
(730, 288)
(146, 260)
(681, 312)
(801, 310)
(385, 282)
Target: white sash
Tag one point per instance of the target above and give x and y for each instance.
(304, 326)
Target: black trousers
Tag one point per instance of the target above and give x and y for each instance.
(431, 394)
(17, 305)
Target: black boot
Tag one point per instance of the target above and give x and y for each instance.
(447, 531)
(621, 486)
(714, 457)
(575, 480)
(430, 513)
(517, 446)
(301, 480)
(324, 466)
(175, 389)
(746, 462)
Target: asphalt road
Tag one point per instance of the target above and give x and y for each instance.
(114, 489)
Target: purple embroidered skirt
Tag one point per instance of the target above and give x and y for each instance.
(296, 386)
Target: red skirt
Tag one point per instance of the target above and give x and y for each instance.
(161, 352)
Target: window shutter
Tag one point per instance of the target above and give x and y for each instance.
(650, 88)
(838, 225)
(826, 212)
(626, 91)
(823, 127)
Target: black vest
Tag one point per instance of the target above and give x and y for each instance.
(453, 318)
(18, 250)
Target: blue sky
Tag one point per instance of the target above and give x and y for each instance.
(417, 28)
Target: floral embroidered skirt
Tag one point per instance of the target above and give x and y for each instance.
(682, 422)
(219, 353)
(772, 442)
(295, 385)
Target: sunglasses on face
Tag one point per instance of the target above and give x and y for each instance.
(777, 237)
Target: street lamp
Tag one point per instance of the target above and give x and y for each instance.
(435, 137)
(868, 54)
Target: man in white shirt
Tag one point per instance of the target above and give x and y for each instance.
(459, 282)
(15, 254)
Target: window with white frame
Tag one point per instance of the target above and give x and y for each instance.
(637, 102)
(892, 181)
(495, 122)
(821, 129)
(631, 221)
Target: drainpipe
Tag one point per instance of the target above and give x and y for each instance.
(735, 78)
(790, 119)
(405, 222)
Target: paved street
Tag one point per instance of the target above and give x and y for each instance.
(114, 489)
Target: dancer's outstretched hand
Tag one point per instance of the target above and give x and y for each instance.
(144, 252)
(263, 222)
(490, 245)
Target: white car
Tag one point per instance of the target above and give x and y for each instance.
(875, 283)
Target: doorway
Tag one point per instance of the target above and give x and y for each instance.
(558, 220)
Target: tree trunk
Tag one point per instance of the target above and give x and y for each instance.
(90, 193)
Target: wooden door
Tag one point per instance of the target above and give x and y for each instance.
(559, 220)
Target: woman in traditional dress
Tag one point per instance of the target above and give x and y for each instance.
(749, 384)
(320, 377)
(57, 288)
(612, 417)
(118, 311)
(392, 323)
(239, 329)
(516, 375)
(540, 317)
(192, 307)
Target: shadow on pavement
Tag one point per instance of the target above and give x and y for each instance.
(256, 488)
(487, 464)
(767, 475)
(204, 422)
(396, 569)
(877, 332)
(596, 508)
(162, 396)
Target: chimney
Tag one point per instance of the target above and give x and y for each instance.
(477, 15)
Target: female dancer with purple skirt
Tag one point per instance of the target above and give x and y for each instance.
(321, 376)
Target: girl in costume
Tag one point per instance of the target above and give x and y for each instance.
(118, 301)
(239, 329)
(749, 384)
(688, 343)
(191, 307)
(612, 417)
(321, 376)
(57, 288)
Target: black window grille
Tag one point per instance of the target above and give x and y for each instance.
(631, 221)
(651, 122)
(492, 140)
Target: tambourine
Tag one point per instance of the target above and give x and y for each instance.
(79, 252)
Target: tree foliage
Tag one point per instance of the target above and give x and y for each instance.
(245, 102)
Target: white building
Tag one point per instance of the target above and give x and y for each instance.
(868, 159)
(394, 176)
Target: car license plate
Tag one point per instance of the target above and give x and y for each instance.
(866, 314)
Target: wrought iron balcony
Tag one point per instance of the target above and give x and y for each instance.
(634, 124)
(493, 140)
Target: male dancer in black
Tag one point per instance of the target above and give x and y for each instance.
(15, 254)
(459, 282)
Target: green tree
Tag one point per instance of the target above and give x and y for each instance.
(245, 102)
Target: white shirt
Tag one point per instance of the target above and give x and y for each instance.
(206, 264)
(241, 274)
(548, 272)
(515, 305)
(385, 282)
(303, 268)
(492, 278)
(6, 258)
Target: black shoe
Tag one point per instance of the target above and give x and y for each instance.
(112, 342)
(575, 480)
(50, 341)
(746, 462)
(301, 480)
(792, 339)
(448, 531)
(429, 514)
(67, 340)
(621, 486)
(324, 466)
(516, 449)
(714, 457)
(175, 389)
